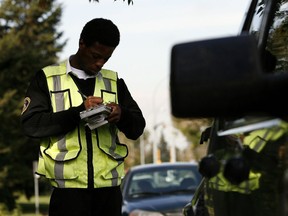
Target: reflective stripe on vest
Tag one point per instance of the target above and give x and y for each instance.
(65, 157)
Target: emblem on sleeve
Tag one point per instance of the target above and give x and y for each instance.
(27, 101)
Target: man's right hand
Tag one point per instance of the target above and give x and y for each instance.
(92, 101)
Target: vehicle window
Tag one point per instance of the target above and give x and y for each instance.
(163, 181)
(276, 55)
(278, 37)
(258, 15)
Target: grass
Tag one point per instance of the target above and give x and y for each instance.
(28, 206)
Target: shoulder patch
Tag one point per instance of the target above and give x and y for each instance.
(27, 101)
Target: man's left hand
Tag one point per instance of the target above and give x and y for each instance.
(115, 115)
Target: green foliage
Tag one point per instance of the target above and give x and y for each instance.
(192, 130)
(134, 149)
(28, 42)
(278, 39)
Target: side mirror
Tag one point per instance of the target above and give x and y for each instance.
(223, 78)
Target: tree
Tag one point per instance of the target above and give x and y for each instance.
(129, 1)
(192, 130)
(277, 41)
(133, 146)
(164, 149)
(28, 42)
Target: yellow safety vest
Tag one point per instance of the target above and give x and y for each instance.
(63, 159)
(256, 140)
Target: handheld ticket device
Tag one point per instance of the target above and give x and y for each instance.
(96, 116)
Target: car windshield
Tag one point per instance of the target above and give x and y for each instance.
(163, 181)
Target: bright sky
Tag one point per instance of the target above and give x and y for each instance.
(149, 29)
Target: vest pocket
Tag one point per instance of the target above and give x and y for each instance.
(62, 156)
(108, 96)
(63, 148)
(118, 153)
(60, 100)
(114, 171)
(108, 143)
(59, 157)
(59, 170)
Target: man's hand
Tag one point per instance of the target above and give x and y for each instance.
(115, 115)
(92, 101)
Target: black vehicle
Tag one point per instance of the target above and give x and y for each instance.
(242, 83)
(159, 189)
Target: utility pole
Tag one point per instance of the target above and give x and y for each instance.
(142, 150)
(36, 187)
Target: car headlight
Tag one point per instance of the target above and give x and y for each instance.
(144, 213)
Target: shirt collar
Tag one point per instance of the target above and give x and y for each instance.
(80, 73)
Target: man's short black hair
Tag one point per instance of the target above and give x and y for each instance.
(100, 30)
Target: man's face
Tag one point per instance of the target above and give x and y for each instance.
(92, 59)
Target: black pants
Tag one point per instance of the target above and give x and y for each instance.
(86, 202)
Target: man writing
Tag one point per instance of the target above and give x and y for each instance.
(84, 166)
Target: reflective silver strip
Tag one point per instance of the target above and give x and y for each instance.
(115, 175)
(59, 164)
(59, 98)
(113, 142)
(114, 172)
(107, 84)
(112, 129)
